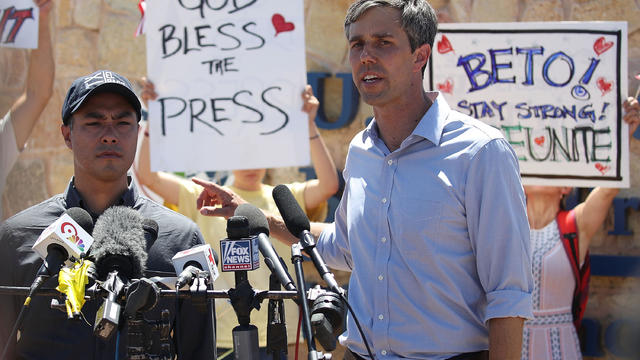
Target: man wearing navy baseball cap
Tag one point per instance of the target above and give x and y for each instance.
(100, 118)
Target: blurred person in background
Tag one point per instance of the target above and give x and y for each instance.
(552, 334)
(16, 125)
(312, 196)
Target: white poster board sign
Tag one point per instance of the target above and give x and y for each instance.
(229, 78)
(19, 24)
(555, 90)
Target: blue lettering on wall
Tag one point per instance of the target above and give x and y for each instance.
(620, 211)
(350, 99)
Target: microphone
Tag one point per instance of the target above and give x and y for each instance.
(67, 237)
(119, 251)
(119, 243)
(150, 228)
(239, 250)
(64, 237)
(259, 227)
(298, 224)
(188, 263)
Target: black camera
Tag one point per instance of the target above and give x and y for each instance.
(327, 316)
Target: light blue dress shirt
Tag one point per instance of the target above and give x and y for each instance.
(436, 236)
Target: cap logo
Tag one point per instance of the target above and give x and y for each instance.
(100, 78)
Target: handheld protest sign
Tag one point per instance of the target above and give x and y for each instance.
(19, 24)
(555, 89)
(229, 79)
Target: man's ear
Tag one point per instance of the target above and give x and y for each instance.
(66, 135)
(421, 56)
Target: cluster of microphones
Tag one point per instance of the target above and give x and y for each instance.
(106, 261)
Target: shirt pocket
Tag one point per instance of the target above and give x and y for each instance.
(417, 224)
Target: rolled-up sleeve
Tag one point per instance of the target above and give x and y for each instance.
(499, 231)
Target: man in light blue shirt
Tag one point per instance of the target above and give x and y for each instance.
(432, 223)
(435, 236)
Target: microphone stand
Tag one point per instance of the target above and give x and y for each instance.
(276, 326)
(243, 306)
(199, 290)
(245, 335)
(93, 294)
(296, 258)
(212, 313)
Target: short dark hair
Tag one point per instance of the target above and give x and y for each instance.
(418, 19)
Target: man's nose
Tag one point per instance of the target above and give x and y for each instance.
(109, 136)
(367, 56)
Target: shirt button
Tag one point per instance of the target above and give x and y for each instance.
(384, 200)
(390, 162)
(380, 317)
(380, 277)
(384, 239)
(383, 352)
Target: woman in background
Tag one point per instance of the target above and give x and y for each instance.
(552, 333)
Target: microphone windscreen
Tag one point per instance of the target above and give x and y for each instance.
(294, 217)
(237, 227)
(82, 217)
(119, 243)
(258, 223)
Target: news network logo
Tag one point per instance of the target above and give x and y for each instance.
(239, 254)
(69, 230)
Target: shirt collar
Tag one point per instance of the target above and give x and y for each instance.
(433, 121)
(74, 199)
(431, 124)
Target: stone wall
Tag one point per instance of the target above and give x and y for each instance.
(95, 34)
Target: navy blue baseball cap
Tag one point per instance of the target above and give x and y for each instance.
(98, 82)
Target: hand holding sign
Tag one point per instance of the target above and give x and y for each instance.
(631, 114)
(148, 91)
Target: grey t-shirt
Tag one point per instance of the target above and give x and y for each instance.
(8, 152)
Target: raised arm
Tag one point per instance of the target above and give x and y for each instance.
(164, 184)
(590, 215)
(593, 211)
(320, 189)
(27, 109)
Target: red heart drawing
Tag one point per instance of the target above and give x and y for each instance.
(603, 169)
(280, 24)
(539, 140)
(444, 45)
(446, 86)
(601, 45)
(604, 85)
